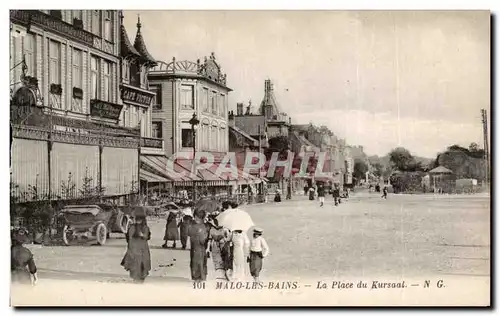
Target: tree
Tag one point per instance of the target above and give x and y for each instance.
(360, 169)
(279, 144)
(402, 159)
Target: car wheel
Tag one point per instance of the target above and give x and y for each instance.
(101, 234)
(67, 235)
(125, 224)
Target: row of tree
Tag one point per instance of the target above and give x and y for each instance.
(463, 162)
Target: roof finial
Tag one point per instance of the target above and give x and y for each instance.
(138, 22)
(121, 17)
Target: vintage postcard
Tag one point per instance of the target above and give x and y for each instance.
(250, 158)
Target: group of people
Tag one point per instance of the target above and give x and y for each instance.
(321, 192)
(230, 250)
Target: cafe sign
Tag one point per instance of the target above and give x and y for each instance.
(105, 109)
(136, 96)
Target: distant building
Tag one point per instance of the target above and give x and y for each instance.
(269, 120)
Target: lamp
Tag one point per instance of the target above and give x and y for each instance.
(194, 122)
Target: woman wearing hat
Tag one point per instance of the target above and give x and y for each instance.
(198, 236)
(219, 236)
(171, 230)
(258, 251)
(22, 264)
(137, 259)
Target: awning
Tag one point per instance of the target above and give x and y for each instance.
(151, 177)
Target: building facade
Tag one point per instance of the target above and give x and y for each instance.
(184, 88)
(70, 137)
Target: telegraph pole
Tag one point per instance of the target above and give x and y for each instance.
(484, 116)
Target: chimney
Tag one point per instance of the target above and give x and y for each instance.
(239, 109)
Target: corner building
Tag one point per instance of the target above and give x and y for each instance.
(70, 136)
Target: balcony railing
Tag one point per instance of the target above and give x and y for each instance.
(52, 23)
(152, 142)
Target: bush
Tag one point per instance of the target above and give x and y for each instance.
(407, 182)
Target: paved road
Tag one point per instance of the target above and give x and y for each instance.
(404, 236)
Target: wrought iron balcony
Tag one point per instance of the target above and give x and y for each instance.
(52, 23)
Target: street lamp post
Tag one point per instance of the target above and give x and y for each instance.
(194, 125)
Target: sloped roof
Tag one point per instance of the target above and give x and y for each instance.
(126, 48)
(250, 124)
(140, 46)
(440, 169)
(235, 129)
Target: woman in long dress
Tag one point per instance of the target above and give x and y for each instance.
(241, 244)
(198, 236)
(22, 268)
(171, 230)
(219, 236)
(137, 259)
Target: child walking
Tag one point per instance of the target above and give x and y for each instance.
(258, 251)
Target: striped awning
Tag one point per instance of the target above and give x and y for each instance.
(151, 177)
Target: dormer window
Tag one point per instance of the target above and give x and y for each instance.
(135, 74)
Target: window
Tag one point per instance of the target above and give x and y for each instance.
(96, 23)
(157, 100)
(135, 75)
(77, 78)
(224, 106)
(214, 102)
(29, 53)
(54, 62)
(94, 78)
(187, 138)
(204, 100)
(206, 137)
(157, 130)
(77, 68)
(214, 138)
(126, 121)
(108, 25)
(187, 96)
(107, 81)
(221, 105)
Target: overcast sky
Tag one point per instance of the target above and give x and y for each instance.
(348, 70)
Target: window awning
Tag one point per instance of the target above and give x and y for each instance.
(151, 177)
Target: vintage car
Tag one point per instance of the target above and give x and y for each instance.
(89, 222)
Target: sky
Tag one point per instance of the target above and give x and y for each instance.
(379, 79)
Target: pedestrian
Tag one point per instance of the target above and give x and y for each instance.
(277, 196)
(305, 190)
(240, 248)
(184, 229)
(312, 193)
(198, 252)
(336, 194)
(321, 195)
(218, 236)
(171, 230)
(22, 265)
(258, 251)
(137, 259)
(384, 192)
